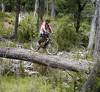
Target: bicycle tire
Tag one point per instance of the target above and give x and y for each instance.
(52, 47)
(34, 45)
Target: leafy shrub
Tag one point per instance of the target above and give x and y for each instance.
(27, 29)
(84, 29)
(66, 35)
(6, 23)
(1, 16)
(4, 31)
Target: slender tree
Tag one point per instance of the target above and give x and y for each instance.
(92, 31)
(16, 18)
(73, 7)
(2, 6)
(36, 7)
(78, 12)
(40, 12)
(47, 7)
(41, 9)
(53, 9)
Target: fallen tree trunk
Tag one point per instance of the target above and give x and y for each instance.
(53, 61)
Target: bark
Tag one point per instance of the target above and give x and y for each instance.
(40, 12)
(97, 36)
(36, 7)
(47, 60)
(93, 30)
(47, 7)
(92, 33)
(36, 12)
(77, 14)
(16, 18)
(3, 7)
(53, 12)
(41, 8)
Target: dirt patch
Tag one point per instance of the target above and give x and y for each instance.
(8, 25)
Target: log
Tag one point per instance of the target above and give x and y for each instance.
(53, 61)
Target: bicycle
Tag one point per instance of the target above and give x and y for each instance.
(49, 44)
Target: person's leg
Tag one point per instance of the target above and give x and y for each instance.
(41, 41)
(46, 40)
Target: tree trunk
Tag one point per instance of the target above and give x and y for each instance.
(91, 85)
(53, 12)
(16, 18)
(92, 32)
(3, 7)
(40, 12)
(36, 12)
(41, 9)
(36, 7)
(47, 7)
(47, 60)
(77, 14)
(78, 21)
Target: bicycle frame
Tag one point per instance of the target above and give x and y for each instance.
(49, 44)
(45, 43)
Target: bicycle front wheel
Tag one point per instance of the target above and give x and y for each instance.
(52, 47)
(34, 45)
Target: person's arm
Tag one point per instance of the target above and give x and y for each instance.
(49, 28)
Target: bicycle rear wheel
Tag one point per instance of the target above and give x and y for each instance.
(52, 47)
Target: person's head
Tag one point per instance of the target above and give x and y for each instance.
(47, 20)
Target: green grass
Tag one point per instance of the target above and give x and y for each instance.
(31, 84)
(6, 24)
(10, 84)
(48, 80)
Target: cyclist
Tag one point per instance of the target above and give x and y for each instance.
(45, 30)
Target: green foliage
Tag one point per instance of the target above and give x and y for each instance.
(97, 84)
(6, 43)
(71, 6)
(85, 27)
(4, 31)
(65, 35)
(84, 33)
(26, 4)
(2, 16)
(29, 4)
(53, 81)
(32, 84)
(65, 6)
(9, 4)
(6, 23)
(27, 29)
